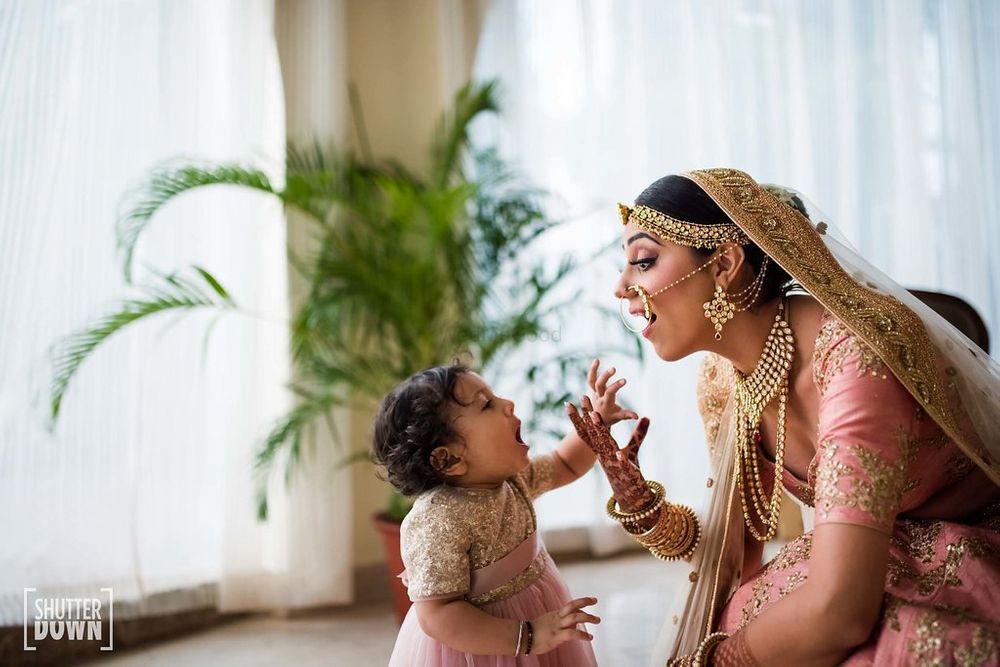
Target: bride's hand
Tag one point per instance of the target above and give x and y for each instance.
(605, 394)
(621, 465)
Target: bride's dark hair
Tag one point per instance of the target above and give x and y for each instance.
(681, 198)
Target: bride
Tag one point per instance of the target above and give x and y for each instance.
(867, 406)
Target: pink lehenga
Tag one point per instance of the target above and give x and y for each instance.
(482, 546)
(883, 464)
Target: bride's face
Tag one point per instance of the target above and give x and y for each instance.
(678, 326)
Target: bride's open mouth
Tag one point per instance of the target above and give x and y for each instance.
(649, 327)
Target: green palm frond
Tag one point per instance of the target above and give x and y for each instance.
(452, 135)
(288, 434)
(171, 292)
(166, 183)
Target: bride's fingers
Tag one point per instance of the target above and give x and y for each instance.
(588, 420)
(602, 381)
(630, 452)
(639, 434)
(584, 429)
(578, 423)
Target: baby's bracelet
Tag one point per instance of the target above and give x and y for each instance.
(531, 637)
(520, 635)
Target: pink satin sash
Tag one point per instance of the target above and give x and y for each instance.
(496, 574)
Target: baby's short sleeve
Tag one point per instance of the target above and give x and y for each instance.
(539, 474)
(435, 543)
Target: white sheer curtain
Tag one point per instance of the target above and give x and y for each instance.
(145, 486)
(886, 113)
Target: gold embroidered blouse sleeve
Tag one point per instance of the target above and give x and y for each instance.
(538, 476)
(435, 540)
(715, 384)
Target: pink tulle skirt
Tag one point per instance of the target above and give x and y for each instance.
(547, 593)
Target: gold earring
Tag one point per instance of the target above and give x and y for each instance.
(720, 310)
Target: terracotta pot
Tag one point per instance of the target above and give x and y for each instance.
(394, 564)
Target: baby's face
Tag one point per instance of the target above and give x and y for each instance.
(493, 449)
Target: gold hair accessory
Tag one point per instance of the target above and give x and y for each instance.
(722, 307)
(706, 237)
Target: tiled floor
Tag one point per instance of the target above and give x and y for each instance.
(627, 587)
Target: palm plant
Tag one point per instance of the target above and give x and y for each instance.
(408, 271)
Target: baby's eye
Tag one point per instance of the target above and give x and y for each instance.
(487, 404)
(644, 263)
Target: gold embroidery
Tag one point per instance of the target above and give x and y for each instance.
(791, 583)
(834, 345)
(880, 495)
(759, 596)
(980, 652)
(918, 539)
(890, 610)
(889, 327)
(515, 585)
(946, 573)
(715, 384)
(796, 551)
(891, 604)
(931, 647)
(926, 647)
(959, 466)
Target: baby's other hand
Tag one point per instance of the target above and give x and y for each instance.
(604, 394)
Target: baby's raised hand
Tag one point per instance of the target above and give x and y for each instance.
(604, 394)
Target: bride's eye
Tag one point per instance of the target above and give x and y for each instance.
(644, 263)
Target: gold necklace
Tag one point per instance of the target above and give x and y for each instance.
(753, 393)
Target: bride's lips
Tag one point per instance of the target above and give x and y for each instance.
(649, 327)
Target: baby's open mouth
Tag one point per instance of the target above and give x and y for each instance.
(517, 435)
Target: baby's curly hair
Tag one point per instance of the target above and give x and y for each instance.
(411, 423)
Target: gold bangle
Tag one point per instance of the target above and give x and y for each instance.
(659, 495)
(705, 648)
(683, 540)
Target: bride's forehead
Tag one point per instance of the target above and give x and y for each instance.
(632, 233)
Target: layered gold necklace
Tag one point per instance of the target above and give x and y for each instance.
(755, 392)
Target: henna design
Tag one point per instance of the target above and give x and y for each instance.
(621, 465)
(734, 652)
